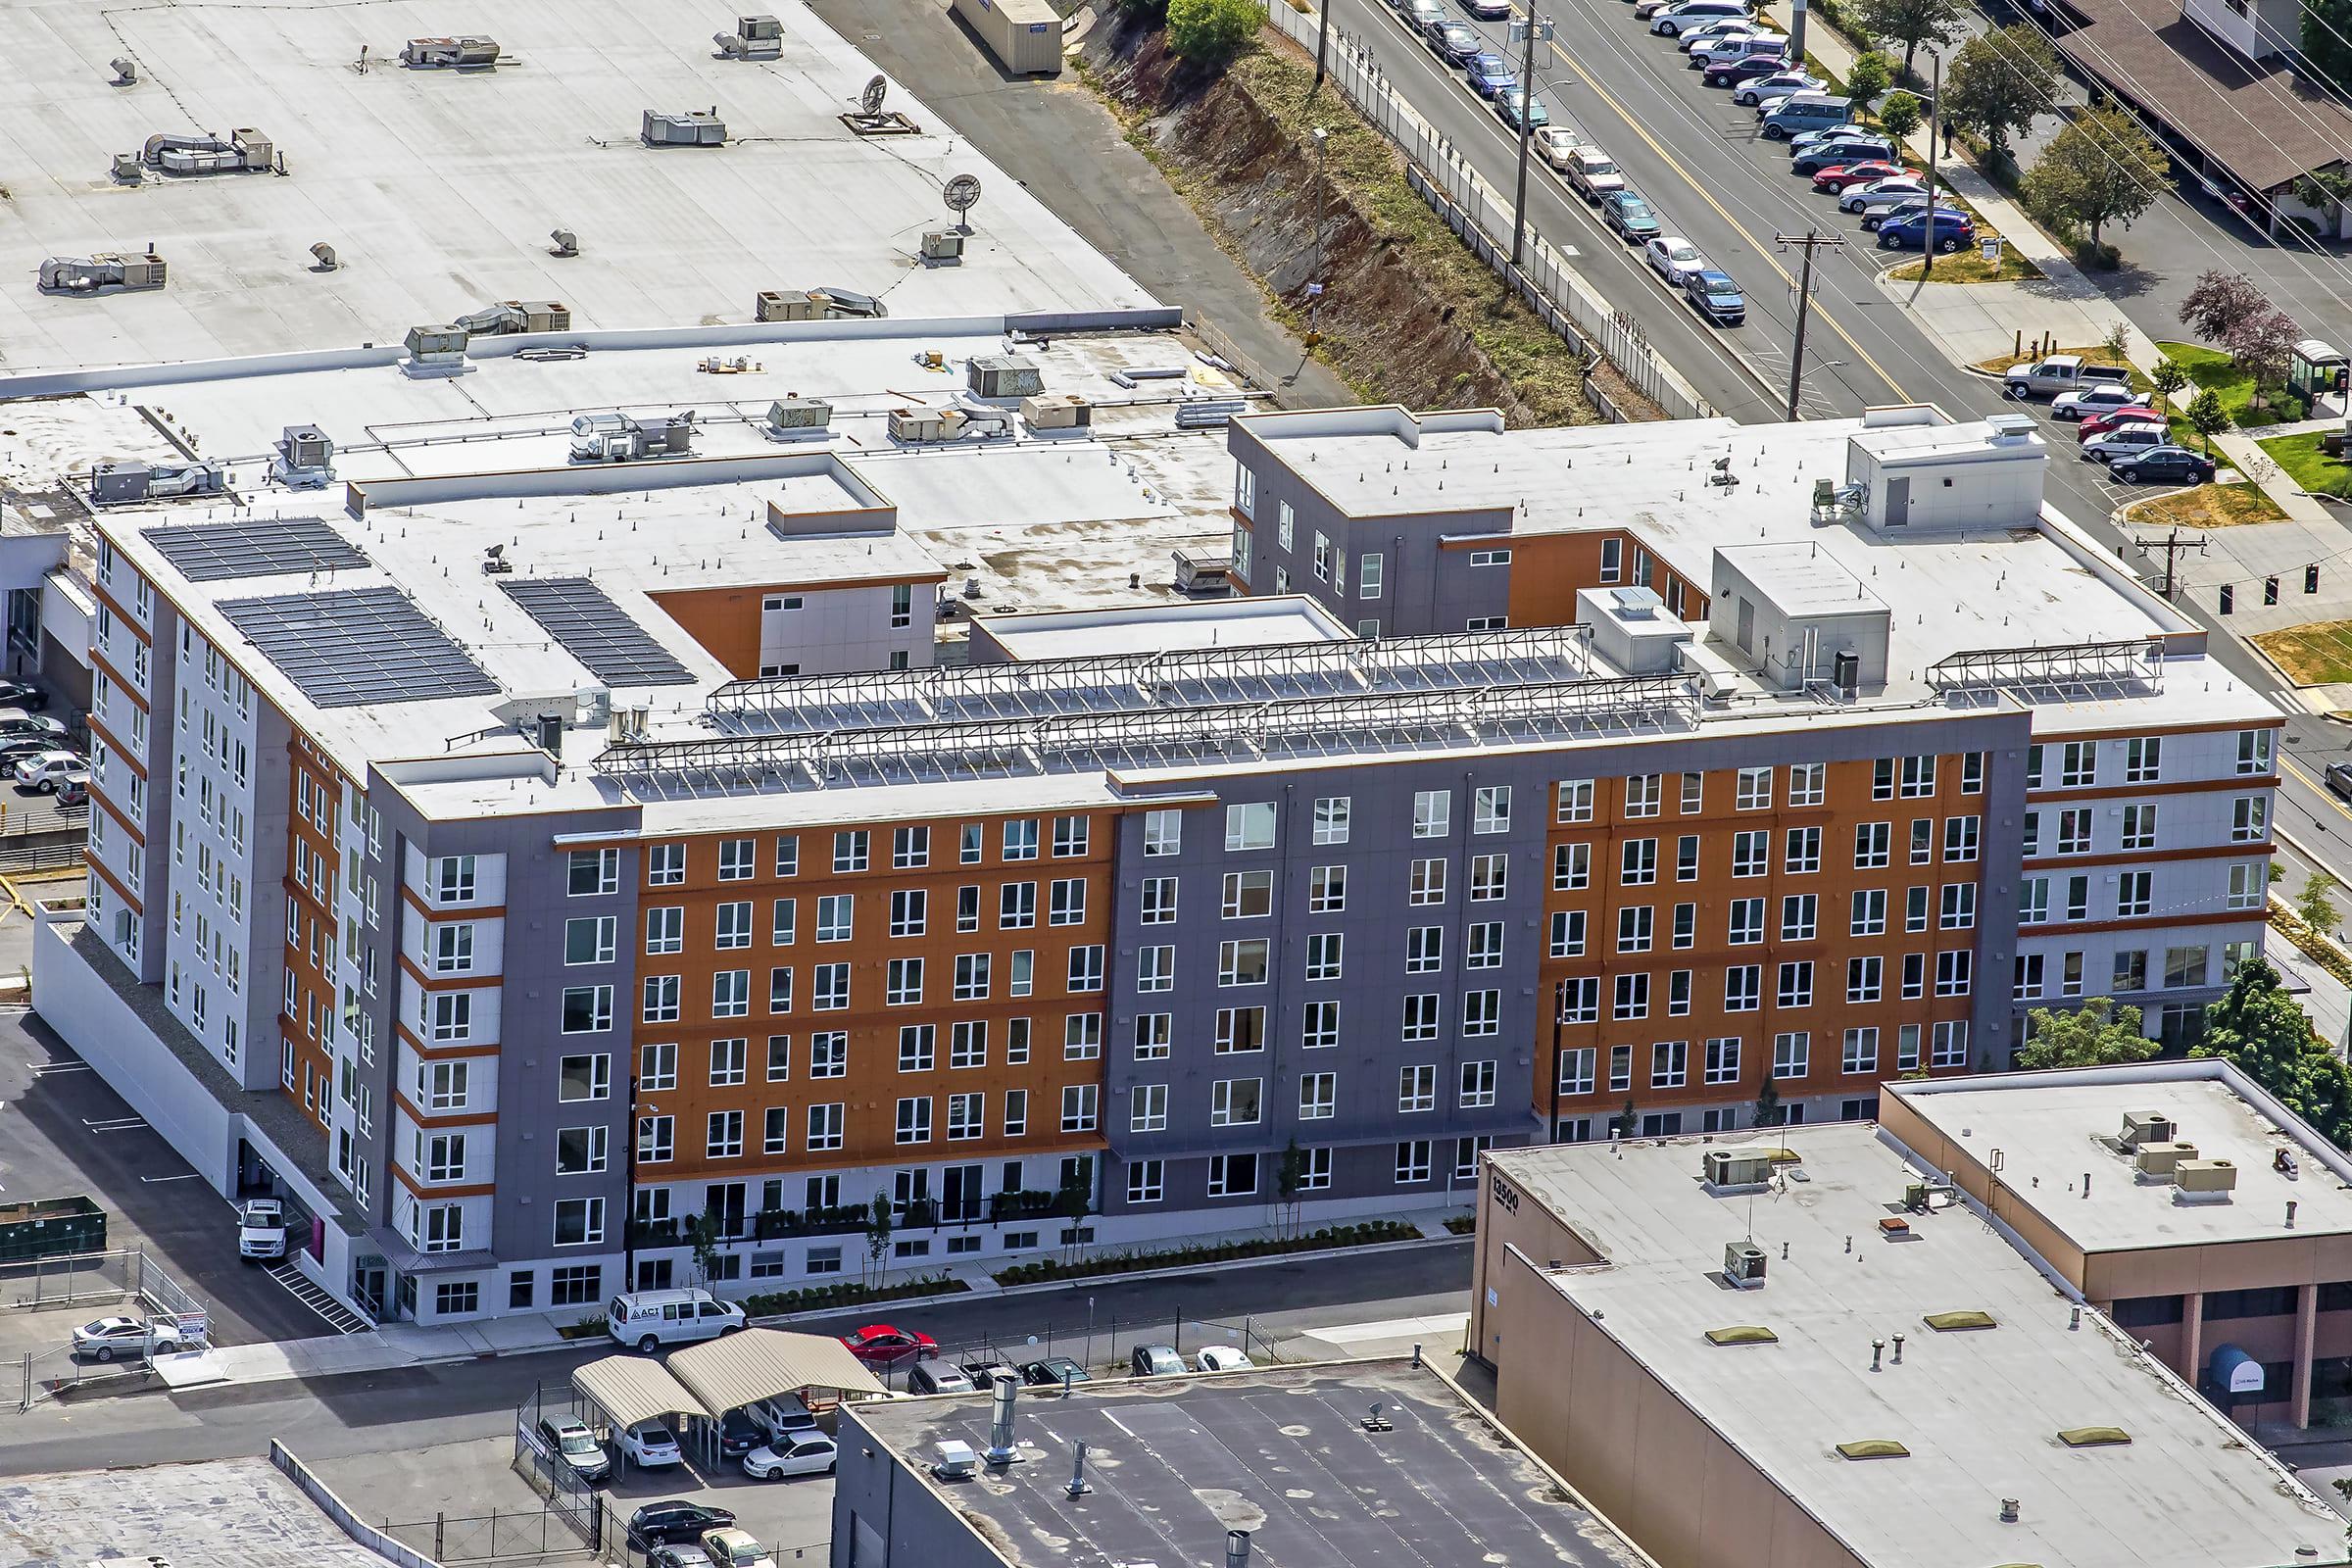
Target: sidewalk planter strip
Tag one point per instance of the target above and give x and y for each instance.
(1368, 1234)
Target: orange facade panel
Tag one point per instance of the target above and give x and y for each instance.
(1548, 570)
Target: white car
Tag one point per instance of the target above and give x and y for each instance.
(735, 1548)
(2093, 400)
(1674, 258)
(1895, 187)
(649, 1445)
(808, 1453)
(2126, 440)
(16, 722)
(1555, 143)
(1223, 1358)
(44, 771)
(1716, 32)
(1780, 85)
(106, 1337)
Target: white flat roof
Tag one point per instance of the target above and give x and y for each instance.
(1979, 1412)
(438, 189)
(2050, 1127)
(1209, 623)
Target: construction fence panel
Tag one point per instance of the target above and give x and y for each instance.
(565, 1497)
(1106, 1346)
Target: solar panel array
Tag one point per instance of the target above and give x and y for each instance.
(597, 632)
(261, 547)
(358, 645)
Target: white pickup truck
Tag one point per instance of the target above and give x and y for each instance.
(261, 1230)
(2060, 373)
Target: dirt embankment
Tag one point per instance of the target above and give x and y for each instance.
(1409, 314)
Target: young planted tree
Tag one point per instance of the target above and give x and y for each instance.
(1871, 74)
(2097, 1034)
(702, 1234)
(2207, 417)
(2315, 904)
(1999, 81)
(2101, 168)
(1289, 1177)
(1899, 115)
(2168, 377)
(1913, 23)
(877, 1236)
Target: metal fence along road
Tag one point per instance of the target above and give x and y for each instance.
(1483, 217)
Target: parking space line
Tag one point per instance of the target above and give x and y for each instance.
(114, 1124)
(305, 1289)
(157, 1181)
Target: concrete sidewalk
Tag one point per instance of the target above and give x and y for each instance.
(379, 1350)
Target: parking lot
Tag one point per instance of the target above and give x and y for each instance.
(64, 1132)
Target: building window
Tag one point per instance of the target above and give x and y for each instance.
(579, 1221)
(1145, 1181)
(1148, 1108)
(1318, 1096)
(1412, 1161)
(1232, 1175)
(1574, 801)
(1250, 826)
(592, 940)
(915, 1119)
(1432, 814)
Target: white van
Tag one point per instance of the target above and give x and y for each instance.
(647, 1319)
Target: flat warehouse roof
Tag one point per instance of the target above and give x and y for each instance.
(1176, 1461)
(1978, 1411)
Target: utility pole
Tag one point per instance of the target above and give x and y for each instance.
(1810, 241)
(1322, 44)
(1927, 265)
(1527, 128)
(2172, 545)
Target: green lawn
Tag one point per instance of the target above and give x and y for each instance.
(2211, 368)
(2311, 469)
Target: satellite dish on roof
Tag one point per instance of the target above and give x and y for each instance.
(961, 194)
(870, 100)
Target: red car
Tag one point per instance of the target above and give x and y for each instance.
(1837, 176)
(2102, 422)
(880, 1344)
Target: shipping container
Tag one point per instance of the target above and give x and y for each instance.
(1025, 35)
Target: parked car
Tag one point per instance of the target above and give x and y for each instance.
(17, 694)
(1489, 74)
(937, 1377)
(262, 1225)
(1747, 67)
(16, 722)
(2091, 400)
(984, 1374)
(660, 1524)
(2059, 374)
(1457, 43)
(1775, 84)
(1155, 1360)
(1507, 108)
(649, 1445)
(735, 1548)
(782, 1416)
(2178, 466)
(647, 1319)
(1893, 188)
(103, 1339)
(811, 1453)
(685, 1555)
(1862, 172)
(1593, 173)
(1557, 145)
(2129, 441)
(1693, 39)
(1878, 213)
(1799, 113)
(2339, 779)
(1832, 151)
(1673, 259)
(2136, 411)
(1223, 1358)
(739, 1435)
(1912, 233)
(1629, 215)
(1488, 10)
(1715, 296)
(43, 771)
(1769, 50)
(1671, 21)
(1425, 14)
(1052, 1372)
(573, 1445)
(884, 1345)
(75, 792)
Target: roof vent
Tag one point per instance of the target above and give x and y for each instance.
(956, 1460)
(2148, 1127)
(2010, 428)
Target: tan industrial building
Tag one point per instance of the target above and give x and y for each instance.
(2178, 1198)
(1808, 1349)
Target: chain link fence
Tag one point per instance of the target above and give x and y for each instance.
(1483, 217)
(127, 1277)
(1103, 1345)
(565, 1497)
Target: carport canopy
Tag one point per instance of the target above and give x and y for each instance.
(739, 1369)
(631, 1389)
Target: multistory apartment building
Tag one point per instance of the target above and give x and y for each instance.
(586, 934)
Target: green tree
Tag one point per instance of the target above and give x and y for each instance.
(2167, 377)
(877, 1234)
(2101, 168)
(1627, 1119)
(1901, 114)
(2260, 1030)
(1999, 81)
(2207, 417)
(2315, 904)
(1210, 33)
(2328, 189)
(1289, 1177)
(1912, 24)
(1770, 1112)
(1074, 1199)
(2097, 1034)
(1871, 74)
(2326, 51)
(702, 1234)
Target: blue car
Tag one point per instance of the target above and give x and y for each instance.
(1505, 105)
(1911, 233)
(1715, 296)
(1630, 217)
(1491, 74)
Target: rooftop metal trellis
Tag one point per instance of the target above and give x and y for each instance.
(2053, 675)
(1197, 734)
(1141, 680)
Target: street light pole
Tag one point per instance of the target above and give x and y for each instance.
(1927, 265)
(1527, 131)
(1315, 285)
(628, 1196)
(1322, 44)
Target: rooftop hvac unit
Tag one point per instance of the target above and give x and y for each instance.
(955, 1461)
(774, 305)
(129, 169)
(435, 345)
(1205, 573)
(942, 245)
(86, 275)
(118, 483)
(1061, 411)
(245, 151)
(538, 315)
(685, 128)
(618, 438)
(1743, 1264)
(754, 38)
(799, 417)
(917, 426)
(306, 457)
(2147, 1127)
(1735, 1167)
(844, 302)
(2162, 1160)
(470, 53)
(2205, 1176)
(1002, 375)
